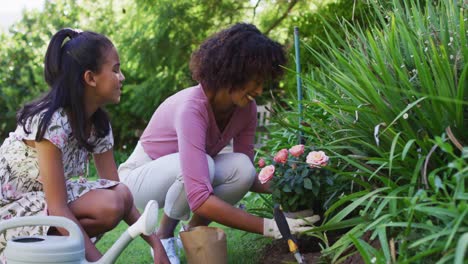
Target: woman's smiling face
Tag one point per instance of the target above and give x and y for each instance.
(247, 93)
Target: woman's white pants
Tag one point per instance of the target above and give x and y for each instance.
(231, 175)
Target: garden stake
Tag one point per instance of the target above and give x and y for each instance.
(286, 233)
(299, 81)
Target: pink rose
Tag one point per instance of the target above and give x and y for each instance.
(297, 150)
(261, 163)
(281, 156)
(317, 159)
(266, 174)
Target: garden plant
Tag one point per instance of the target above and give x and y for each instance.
(389, 104)
(298, 179)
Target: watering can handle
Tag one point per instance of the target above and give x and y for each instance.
(57, 221)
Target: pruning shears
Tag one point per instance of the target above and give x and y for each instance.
(286, 233)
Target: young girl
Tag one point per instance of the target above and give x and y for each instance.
(54, 137)
(176, 161)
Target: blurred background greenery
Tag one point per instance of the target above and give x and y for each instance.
(155, 40)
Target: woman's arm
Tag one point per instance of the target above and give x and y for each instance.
(258, 187)
(244, 142)
(107, 169)
(53, 180)
(217, 210)
(222, 212)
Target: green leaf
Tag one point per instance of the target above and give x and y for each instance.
(340, 225)
(308, 184)
(455, 229)
(406, 148)
(293, 200)
(298, 189)
(359, 244)
(381, 231)
(460, 252)
(350, 208)
(286, 188)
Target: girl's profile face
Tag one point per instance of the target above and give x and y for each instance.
(247, 93)
(109, 79)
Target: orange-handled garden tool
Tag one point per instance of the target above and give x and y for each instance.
(283, 227)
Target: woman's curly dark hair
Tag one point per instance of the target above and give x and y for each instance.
(235, 56)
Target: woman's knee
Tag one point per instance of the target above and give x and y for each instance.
(211, 167)
(244, 168)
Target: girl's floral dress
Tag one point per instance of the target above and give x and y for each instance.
(21, 192)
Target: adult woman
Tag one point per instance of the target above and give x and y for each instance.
(176, 161)
(55, 135)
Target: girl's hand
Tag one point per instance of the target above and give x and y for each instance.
(160, 255)
(92, 253)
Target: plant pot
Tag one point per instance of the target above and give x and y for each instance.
(299, 214)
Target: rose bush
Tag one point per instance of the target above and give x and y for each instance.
(298, 181)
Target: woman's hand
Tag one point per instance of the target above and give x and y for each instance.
(297, 226)
(259, 187)
(215, 209)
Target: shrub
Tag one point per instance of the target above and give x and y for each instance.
(390, 106)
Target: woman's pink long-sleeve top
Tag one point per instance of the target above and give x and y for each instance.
(185, 123)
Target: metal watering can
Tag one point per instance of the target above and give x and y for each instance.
(68, 249)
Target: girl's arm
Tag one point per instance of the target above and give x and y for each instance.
(53, 180)
(107, 169)
(105, 165)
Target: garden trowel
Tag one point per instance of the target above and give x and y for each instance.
(286, 233)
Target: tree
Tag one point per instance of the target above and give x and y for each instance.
(155, 40)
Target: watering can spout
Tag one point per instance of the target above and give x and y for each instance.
(146, 225)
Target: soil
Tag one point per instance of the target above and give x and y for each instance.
(278, 251)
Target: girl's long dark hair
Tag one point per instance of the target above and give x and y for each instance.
(65, 64)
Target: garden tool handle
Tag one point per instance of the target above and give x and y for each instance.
(281, 222)
(57, 221)
(283, 227)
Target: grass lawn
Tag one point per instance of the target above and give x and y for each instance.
(243, 247)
